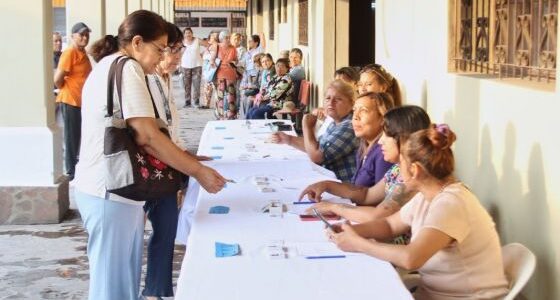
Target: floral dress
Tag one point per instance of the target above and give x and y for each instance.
(393, 179)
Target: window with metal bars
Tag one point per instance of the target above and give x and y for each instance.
(506, 38)
(302, 22)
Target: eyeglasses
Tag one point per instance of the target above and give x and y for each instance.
(160, 50)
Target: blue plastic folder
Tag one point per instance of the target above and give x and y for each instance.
(225, 250)
(219, 210)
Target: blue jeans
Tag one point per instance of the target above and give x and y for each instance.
(115, 245)
(164, 214)
(260, 112)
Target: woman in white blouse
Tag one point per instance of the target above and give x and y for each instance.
(116, 224)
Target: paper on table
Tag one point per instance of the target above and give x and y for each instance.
(219, 210)
(224, 250)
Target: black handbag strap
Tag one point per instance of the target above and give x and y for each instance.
(115, 78)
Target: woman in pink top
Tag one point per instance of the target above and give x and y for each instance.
(226, 77)
(454, 245)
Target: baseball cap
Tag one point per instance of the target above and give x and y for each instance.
(80, 28)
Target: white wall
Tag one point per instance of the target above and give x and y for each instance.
(508, 145)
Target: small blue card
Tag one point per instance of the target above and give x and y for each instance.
(220, 127)
(217, 148)
(219, 210)
(228, 138)
(225, 250)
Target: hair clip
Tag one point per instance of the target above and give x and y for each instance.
(442, 128)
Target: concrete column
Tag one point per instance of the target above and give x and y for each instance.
(155, 6)
(116, 11)
(147, 4)
(322, 42)
(171, 11)
(91, 12)
(32, 189)
(164, 9)
(134, 5)
(342, 25)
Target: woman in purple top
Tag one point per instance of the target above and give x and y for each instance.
(388, 195)
(368, 124)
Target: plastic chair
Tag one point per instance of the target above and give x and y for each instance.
(519, 265)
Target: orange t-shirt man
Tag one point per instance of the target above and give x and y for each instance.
(75, 63)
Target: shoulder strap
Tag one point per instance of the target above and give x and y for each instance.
(110, 87)
(117, 75)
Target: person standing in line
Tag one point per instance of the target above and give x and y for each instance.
(73, 69)
(57, 48)
(236, 39)
(163, 213)
(207, 88)
(226, 76)
(115, 224)
(191, 64)
(57, 52)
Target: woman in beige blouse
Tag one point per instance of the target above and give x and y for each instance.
(454, 245)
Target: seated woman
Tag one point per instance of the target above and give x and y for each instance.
(374, 78)
(454, 246)
(398, 124)
(278, 91)
(368, 124)
(348, 74)
(335, 149)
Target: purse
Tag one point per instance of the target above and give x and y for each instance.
(130, 171)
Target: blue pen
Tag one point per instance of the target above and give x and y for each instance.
(325, 256)
(304, 202)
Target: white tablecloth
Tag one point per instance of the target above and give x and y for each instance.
(252, 274)
(239, 141)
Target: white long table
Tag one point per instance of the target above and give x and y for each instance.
(252, 275)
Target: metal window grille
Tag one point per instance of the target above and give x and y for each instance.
(523, 43)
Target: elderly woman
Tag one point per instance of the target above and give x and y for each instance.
(226, 76)
(115, 224)
(278, 91)
(335, 149)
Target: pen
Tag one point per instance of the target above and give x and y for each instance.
(303, 202)
(325, 256)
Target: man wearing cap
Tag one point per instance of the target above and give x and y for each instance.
(70, 76)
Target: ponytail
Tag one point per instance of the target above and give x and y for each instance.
(107, 45)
